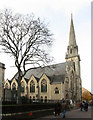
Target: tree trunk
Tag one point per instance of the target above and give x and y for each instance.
(19, 88)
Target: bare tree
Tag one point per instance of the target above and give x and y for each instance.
(25, 38)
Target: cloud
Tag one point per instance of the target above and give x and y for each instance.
(38, 5)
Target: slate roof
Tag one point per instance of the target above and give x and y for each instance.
(57, 78)
(56, 72)
(56, 69)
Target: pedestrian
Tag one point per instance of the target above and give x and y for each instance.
(59, 108)
(86, 106)
(56, 107)
(81, 106)
(64, 106)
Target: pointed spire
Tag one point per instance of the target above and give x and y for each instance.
(72, 40)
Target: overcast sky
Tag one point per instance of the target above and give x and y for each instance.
(57, 13)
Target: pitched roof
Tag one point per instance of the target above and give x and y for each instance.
(55, 72)
(57, 78)
(56, 69)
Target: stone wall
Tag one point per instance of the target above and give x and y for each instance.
(2, 70)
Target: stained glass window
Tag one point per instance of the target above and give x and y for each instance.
(44, 86)
(6, 86)
(14, 86)
(22, 87)
(32, 86)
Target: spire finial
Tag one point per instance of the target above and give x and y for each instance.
(71, 16)
(72, 40)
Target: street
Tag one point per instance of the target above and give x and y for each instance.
(71, 114)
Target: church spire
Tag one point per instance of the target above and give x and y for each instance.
(72, 49)
(72, 39)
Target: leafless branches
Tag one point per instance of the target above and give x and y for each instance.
(25, 38)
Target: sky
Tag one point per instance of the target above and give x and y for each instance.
(57, 13)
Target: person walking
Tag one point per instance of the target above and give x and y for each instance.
(64, 106)
(56, 107)
(59, 108)
(86, 106)
(81, 106)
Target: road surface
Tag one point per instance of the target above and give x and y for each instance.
(74, 114)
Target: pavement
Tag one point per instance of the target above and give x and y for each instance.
(70, 114)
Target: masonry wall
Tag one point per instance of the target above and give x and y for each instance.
(2, 70)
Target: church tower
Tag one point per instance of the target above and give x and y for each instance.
(73, 66)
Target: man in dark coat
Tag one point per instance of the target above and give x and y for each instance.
(57, 108)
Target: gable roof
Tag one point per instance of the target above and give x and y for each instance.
(56, 69)
(57, 78)
(55, 72)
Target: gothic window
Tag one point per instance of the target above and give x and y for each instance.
(32, 86)
(45, 98)
(22, 87)
(71, 84)
(44, 86)
(74, 65)
(41, 98)
(14, 86)
(33, 97)
(72, 80)
(70, 51)
(67, 96)
(56, 91)
(6, 86)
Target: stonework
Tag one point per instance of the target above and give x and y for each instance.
(54, 82)
(2, 70)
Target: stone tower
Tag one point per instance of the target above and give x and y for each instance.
(73, 76)
(2, 70)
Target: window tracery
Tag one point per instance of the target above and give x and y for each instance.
(44, 86)
(32, 86)
(22, 87)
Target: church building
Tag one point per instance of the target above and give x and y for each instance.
(54, 82)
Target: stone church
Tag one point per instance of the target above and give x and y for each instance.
(54, 82)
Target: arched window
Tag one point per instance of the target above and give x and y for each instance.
(6, 86)
(74, 65)
(14, 86)
(56, 91)
(67, 96)
(22, 87)
(32, 86)
(44, 86)
(45, 98)
(41, 98)
(70, 51)
(33, 98)
(72, 80)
